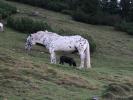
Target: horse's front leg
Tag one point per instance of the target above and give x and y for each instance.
(53, 57)
(82, 58)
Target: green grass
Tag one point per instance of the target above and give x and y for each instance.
(30, 76)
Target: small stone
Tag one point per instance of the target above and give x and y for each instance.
(18, 11)
(95, 98)
(36, 13)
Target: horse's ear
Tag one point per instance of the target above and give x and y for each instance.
(30, 35)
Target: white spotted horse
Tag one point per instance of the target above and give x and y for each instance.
(54, 42)
(1, 27)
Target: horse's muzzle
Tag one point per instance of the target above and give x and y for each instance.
(27, 47)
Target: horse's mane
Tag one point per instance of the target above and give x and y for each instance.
(45, 33)
(42, 34)
(51, 33)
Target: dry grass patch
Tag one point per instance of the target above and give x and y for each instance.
(119, 91)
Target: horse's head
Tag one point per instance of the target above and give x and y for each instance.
(31, 40)
(35, 38)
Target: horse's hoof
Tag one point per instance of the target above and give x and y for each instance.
(79, 67)
(88, 67)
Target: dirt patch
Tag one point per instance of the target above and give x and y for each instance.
(66, 80)
(121, 91)
(13, 62)
(6, 59)
(77, 82)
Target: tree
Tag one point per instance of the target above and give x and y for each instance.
(130, 14)
(113, 7)
(125, 7)
(89, 6)
(104, 5)
(109, 6)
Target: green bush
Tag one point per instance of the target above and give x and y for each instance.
(26, 24)
(80, 16)
(125, 26)
(6, 10)
(4, 13)
(91, 42)
(80, 10)
(56, 5)
(99, 18)
(87, 11)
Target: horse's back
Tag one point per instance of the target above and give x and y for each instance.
(67, 43)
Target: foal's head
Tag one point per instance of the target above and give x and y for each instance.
(74, 64)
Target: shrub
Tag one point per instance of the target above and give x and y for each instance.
(130, 16)
(4, 13)
(6, 9)
(91, 42)
(56, 6)
(99, 18)
(68, 12)
(104, 19)
(47, 4)
(81, 10)
(80, 16)
(125, 26)
(26, 24)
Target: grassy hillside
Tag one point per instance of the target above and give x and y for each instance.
(30, 76)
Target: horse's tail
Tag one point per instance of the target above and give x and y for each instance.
(87, 56)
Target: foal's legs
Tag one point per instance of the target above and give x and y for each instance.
(70, 64)
(61, 62)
